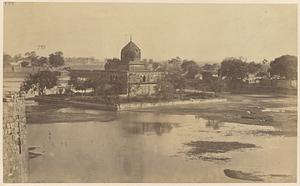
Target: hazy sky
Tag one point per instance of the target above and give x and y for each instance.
(193, 31)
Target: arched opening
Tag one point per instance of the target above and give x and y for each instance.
(144, 78)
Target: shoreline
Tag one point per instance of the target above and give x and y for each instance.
(124, 106)
(141, 105)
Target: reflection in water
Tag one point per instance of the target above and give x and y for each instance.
(149, 127)
(133, 168)
(34, 155)
(214, 124)
(148, 147)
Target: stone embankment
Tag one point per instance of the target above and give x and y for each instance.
(123, 106)
(15, 151)
(141, 105)
(66, 102)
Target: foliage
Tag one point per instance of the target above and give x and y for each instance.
(216, 84)
(210, 67)
(56, 59)
(80, 84)
(111, 63)
(30, 58)
(234, 68)
(24, 63)
(7, 59)
(206, 75)
(262, 74)
(40, 81)
(176, 79)
(176, 61)
(284, 66)
(164, 88)
(191, 68)
(155, 65)
(173, 64)
(104, 88)
(254, 68)
(42, 61)
(168, 86)
(18, 57)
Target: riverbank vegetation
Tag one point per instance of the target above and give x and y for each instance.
(183, 79)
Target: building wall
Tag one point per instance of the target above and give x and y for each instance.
(144, 76)
(101, 75)
(15, 152)
(143, 82)
(142, 89)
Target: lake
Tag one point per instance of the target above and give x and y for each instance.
(79, 145)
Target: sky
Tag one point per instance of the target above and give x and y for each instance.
(200, 32)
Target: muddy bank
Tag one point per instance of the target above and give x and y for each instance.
(199, 148)
(245, 109)
(43, 114)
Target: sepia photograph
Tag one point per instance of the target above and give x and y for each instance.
(102, 92)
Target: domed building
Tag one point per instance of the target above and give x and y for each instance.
(130, 59)
(130, 52)
(135, 75)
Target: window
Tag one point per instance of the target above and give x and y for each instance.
(144, 78)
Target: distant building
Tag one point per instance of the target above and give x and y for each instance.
(134, 74)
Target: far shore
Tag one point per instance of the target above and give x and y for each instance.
(122, 106)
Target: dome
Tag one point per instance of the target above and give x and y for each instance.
(130, 52)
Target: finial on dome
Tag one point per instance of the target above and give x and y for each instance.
(130, 37)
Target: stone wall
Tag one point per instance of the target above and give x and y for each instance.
(141, 105)
(15, 152)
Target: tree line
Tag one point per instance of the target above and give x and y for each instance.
(230, 72)
(180, 74)
(55, 59)
(44, 77)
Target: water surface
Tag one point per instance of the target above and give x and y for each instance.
(152, 147)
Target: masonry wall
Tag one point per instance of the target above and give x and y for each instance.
(141, 105)
(15, 152)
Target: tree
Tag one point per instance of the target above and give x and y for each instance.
(7, 59)
(112, 63)
(210, 67)
(172, 81)
(175, 61)
(40, 61)
(254, 68)
(191, 68)
(18, 57)
(285, 66)
(173, 64)
(164, 89)
(30, 58)
(262, 74)
(215, 84)
(78, 84)
(40, 81)
(155, 65)
(176, 79)
(24, 63)
(234, 68)
(56, 59)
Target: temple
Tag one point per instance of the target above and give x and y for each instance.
(135, 76)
